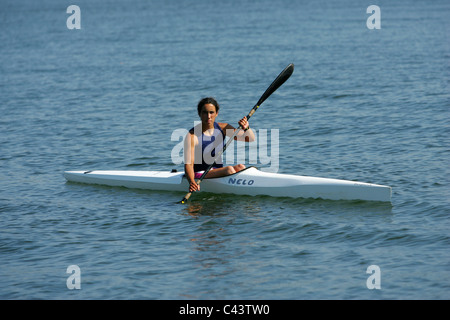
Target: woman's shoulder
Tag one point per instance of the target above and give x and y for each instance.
(196, 130)
(224, 125)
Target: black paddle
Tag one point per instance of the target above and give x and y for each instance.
(282, 77)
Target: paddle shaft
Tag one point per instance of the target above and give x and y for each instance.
(282, 77)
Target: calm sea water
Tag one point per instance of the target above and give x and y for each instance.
(365, 105)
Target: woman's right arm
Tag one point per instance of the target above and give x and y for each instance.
(189, 158)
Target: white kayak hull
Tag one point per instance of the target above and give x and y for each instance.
(250, 181)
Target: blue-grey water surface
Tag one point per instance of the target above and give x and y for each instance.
(364, 105)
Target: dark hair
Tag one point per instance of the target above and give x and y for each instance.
(207, 100)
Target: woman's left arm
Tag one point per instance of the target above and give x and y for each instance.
(246, 134)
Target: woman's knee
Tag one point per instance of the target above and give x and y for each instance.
(230, 170)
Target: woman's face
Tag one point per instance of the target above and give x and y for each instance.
(208, 114)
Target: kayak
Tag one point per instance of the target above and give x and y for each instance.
(249, 181)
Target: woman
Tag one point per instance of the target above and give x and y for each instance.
(205, 139)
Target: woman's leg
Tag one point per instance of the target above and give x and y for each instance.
(224, 171)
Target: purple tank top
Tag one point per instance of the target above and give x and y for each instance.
(210, 144)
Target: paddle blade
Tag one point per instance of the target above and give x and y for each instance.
(282, 77)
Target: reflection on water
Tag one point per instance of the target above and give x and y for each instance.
(194, 210)
(252, 206)
(220, 225)
(230, 235)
